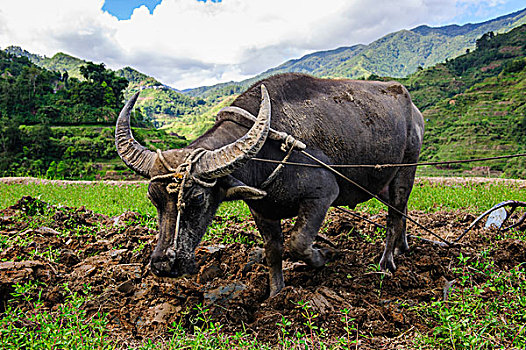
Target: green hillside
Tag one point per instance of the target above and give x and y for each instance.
(191, 126)
(158, 102)
(57, 126)
(401, 53)
(475, 105)
(163, 105)
(136, 78)
(60, 62)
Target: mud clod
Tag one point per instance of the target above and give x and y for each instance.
(232, 282)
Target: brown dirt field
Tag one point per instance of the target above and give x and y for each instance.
(232, 283)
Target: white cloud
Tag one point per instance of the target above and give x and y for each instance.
(190, 43)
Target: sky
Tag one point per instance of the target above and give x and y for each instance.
(190, 43)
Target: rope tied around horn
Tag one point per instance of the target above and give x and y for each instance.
(288, 145)
(182, 176)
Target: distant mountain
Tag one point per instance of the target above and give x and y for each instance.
(136, 78)
(60, 62)
(396, 55)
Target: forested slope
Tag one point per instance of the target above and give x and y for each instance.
(58, 126)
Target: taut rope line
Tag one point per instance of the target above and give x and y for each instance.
(375, 196)
(380, 166)
(183, 171)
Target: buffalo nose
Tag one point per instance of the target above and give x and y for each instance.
(161, 267)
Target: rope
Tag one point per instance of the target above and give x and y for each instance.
(289, 143)
(375, 196)
(182, 174)
(360, 217)
(442, 244)
(380, 166)
(180, 177)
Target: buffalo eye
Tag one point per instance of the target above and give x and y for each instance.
(198, 198)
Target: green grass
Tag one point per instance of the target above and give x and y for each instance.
(485, 309)
(68, 327)
(484, 315)
(473, 197)
(99, 197)
(115, 199)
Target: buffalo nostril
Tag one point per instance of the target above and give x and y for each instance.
(161, 266)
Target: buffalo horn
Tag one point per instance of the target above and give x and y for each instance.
(223, 161)
(135, 156)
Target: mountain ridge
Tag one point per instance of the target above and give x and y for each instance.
(359, 61)
(396, 55)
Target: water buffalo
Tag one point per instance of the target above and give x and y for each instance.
(339, 121)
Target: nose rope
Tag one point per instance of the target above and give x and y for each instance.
(181, 177)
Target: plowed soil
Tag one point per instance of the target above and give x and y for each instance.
(111, 254)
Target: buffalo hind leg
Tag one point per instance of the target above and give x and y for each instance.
(310, 218)
(271, 232)
(396, 239)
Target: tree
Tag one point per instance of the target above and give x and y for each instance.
(484, 41)
(62, 170)
(51, 172)
(102, 86)
(9, 135)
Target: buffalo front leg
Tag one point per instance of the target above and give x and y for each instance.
(396, 239)
(271, 232)
(309, 220)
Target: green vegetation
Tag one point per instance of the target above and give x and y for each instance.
(159, 103)
(474, 105)
(32, 95)
(66, 328)
(484, 308)
(60, 62)
(163, 104)
(56, 126)
(193, 125)
(97, 196)
(114, 199)
(156, 103)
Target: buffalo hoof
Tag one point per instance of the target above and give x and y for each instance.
(275, 289)
(387, 264)
(317, 257)
(401, 248)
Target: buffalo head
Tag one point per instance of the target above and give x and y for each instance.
(187, 185)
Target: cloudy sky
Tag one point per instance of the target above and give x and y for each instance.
(189, 43)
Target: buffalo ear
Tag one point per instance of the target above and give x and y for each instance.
(244, 192)
(237, 190)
